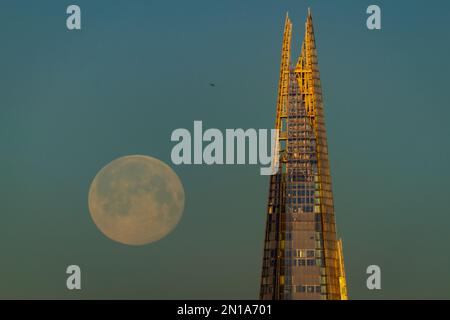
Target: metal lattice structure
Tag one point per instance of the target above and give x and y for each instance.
(302, 257)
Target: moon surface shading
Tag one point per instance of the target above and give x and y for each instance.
(136, 200)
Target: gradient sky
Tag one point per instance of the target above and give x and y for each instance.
(71, 102)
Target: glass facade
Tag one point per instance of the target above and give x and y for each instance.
(302, 258)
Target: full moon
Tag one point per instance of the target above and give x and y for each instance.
(136, 200)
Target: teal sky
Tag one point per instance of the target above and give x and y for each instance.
(72, 101)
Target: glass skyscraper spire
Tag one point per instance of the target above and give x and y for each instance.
(302, 257)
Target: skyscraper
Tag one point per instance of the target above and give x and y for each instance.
(302, 257)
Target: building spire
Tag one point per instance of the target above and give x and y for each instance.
(309, 22)
(284, 71)
(309, 29)
(307, 61)
(286, 46)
